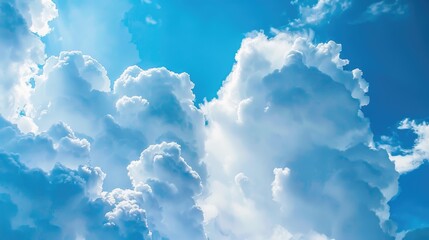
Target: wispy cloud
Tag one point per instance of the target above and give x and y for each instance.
(382, 8)
(150, 20)
(319, 12)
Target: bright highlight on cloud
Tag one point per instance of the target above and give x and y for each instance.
(283, 152)
(410, 159)
(21, 53)
(279, 153)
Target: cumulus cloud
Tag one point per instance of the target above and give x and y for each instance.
(302, 155)
(289, 152)
(65, 117)
(41, 13)
(127, 215)
(143, 107)
(58, 144)
(164, 110)
(131, 105)
(319, 12)
(21, 51)
(65, 141)
(71, 204)
(70, 89)
(73, 74)
(172, 184)
(62, 197)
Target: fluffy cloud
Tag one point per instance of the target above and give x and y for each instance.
(21, 52)
(127, 215)
(14, 141)
(66, 115)
(71, 204)
(289, 152)
(320, 11)
(172, 184)
(41, 12)
(58, 144)
(144, 107)
(62, 197)
(299, 157)
(71, 89)
(410, 159)
(160, 104)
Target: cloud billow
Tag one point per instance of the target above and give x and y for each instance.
(283, 152)
(288, 120)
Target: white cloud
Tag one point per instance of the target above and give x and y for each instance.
(26, 124)
(409, 159)
(41, 12)
(163, 162)
(58, 144)
(170, 114)
(289, 107)
(21, 52)
(285, 141)
(127, 214)
(386, 7)
(280, 176)
(161, 203)
(133, 103)
(282, 234)
(319, 12)
(78, 148)
(145, 107)
(172, 184)
(71, 89)
(73, 111)
(150, 20)
(63, 208)
(131, 106)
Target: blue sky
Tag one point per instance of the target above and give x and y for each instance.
(201, 38)
(216, 119)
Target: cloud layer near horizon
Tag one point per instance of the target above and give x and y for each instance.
(283, 152)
